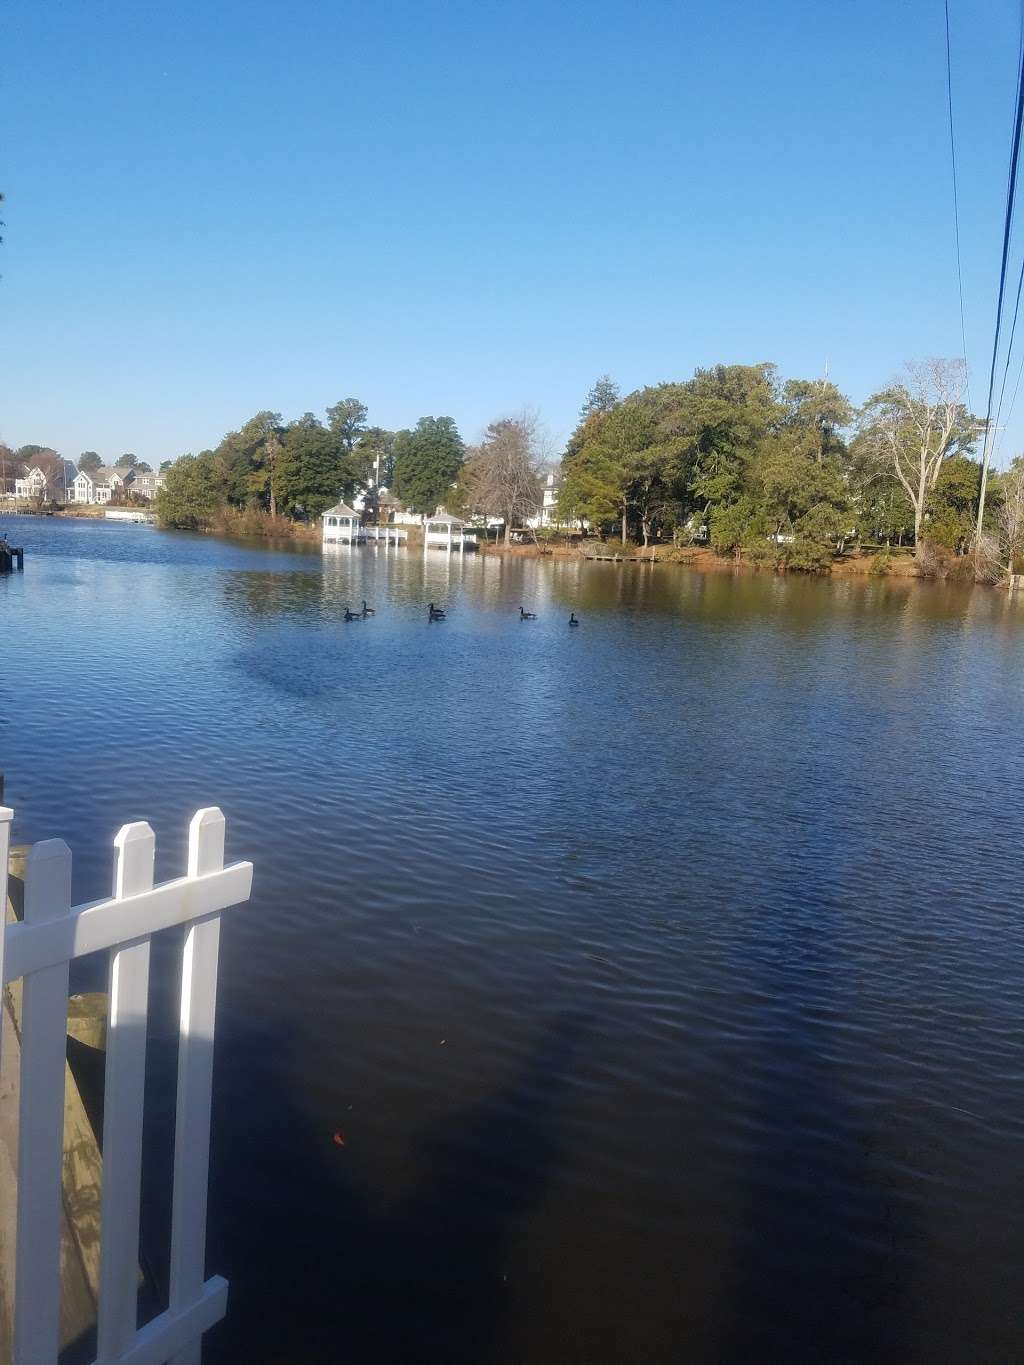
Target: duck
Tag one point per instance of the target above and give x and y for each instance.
(435, 613)
(572, 619)
(368, 611)
(353, 615)
(527, 615)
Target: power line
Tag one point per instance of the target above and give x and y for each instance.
(1011, 189)
(956, 204)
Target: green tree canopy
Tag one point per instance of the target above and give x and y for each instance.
(603, 396)
(90, 461)
(373, 445)
(347, 419)
(312, 468)
(191, 493)
(952, 503)
(427, 462)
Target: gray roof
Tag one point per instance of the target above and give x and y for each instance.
(341, 509)
(445, 517)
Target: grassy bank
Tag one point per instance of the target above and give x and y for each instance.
(880, 563)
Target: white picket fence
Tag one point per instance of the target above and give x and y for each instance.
(39, 950)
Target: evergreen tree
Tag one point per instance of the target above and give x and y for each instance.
(427, 462)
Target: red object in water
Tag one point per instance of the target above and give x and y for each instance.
(339, 1138)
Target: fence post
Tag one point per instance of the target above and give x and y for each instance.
(6, 816)
(124, 1090)
(44, 1008)
(195, 1082)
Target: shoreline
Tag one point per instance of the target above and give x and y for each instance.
(901, 563)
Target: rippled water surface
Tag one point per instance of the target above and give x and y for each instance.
(663, 977)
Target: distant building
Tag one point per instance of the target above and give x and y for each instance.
(342, 523)
(547, 513)
(47, 481)
(148, 485)
(98, 486)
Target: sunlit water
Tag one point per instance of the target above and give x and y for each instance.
(663, 977)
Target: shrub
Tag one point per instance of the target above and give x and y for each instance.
(881, 564)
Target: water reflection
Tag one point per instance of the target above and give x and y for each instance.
(668, 967)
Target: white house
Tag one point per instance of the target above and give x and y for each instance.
(100, 485)
(546, 514)
(49, 482)
(81, 489)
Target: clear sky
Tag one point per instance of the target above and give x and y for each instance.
(466, 208)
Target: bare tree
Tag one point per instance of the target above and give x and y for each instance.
(914, 425)
(502, 473)
(1001, 553)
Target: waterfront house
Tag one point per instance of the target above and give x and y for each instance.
(81, 489)
(98, 486)
(547, 514)
(147, 485)
(342, 523)
(46, 481)
(108, 482)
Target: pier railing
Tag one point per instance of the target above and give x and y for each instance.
(38, 951)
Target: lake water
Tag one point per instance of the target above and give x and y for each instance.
(663, 977)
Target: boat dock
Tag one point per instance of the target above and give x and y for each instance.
(11, 558)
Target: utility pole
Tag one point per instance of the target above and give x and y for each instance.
(985, 458)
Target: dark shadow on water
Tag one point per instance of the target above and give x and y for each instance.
(421, 1281)
(825, 1238)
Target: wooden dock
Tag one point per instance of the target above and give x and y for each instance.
(80, 1221)
(11, 558)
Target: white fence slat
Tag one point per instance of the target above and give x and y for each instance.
(100, 925)
(124, 1089)
(6, 816)
(195, 1083)
(171, 1332)
(44, 1010)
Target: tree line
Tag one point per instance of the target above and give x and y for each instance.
(297, 469)
(788, 470)
(781, 470)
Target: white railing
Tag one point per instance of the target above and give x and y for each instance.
(39, 951)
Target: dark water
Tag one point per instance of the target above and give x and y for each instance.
(663, 976)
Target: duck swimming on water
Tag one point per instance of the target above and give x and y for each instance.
(353, 615)
(527, 615)
(572, 619)
(435, 613)
(368, 611)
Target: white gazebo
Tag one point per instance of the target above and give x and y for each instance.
(445, 531)
(343, 523)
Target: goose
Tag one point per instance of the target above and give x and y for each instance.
(353, 615)
(435, 613)
(572, 619)
(527, 615)
(368, 611)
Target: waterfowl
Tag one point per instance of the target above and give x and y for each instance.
(572, 619)
(353, 615)
(368, 611)
(435, 613)
(527, 615)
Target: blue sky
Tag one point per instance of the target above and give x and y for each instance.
(468, 208)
